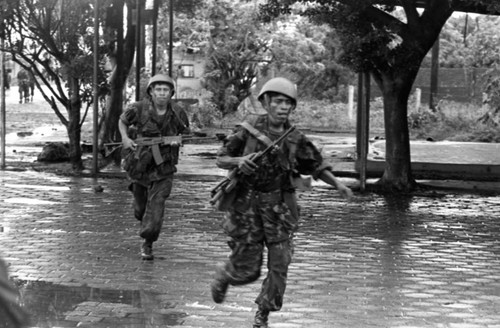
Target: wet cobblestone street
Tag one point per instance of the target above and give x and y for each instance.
(427, 260)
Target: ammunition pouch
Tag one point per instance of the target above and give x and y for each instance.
(137, 163)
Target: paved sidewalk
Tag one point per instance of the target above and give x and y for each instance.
(431, 260)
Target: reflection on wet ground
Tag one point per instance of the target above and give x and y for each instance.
(57, 305)
(421, 260)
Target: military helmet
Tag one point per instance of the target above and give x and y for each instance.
(279, 85)
(160, 78)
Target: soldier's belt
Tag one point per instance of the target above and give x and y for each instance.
(275, 196)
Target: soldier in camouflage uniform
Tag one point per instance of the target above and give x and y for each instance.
(155, 116)
(264, 212)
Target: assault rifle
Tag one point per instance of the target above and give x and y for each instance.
(226, 186)
(154, 143)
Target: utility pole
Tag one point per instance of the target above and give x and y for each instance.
(434, 75)
(138, 51)
(155, 30)
(362, 126)
(171, 37)
(2, 86)
(95, 129)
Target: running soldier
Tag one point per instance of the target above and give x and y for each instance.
(150, 161)
(264, 210)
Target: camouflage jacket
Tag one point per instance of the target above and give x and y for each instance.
(145, 121)
(297, 156)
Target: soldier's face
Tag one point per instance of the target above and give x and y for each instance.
(161, 93)
(280, 107)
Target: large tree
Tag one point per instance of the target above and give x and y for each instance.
(54, 39)
(389, 47)
(120, 49)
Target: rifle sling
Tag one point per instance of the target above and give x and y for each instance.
(257, 134)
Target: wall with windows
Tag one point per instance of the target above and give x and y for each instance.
(188, 71)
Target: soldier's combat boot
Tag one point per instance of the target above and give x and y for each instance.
(219, 285)
(147, 251)
(260, 320)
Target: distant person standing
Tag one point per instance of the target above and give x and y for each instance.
(6, 79)
(31, 84)
(23, 84)
(152, 175)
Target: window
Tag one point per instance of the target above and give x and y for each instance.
(186, 71)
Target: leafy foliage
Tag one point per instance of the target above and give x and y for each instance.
(54, 39)
(308, 54)
(469, 42)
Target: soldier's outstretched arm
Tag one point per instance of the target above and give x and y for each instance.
(328, 177)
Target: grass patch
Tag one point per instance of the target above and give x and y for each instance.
(454, 122)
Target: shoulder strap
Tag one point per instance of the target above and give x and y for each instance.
(176, 111)
(292, 142)
(256, 133)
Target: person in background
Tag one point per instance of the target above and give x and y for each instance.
(264, 212)
(155, 116)
(23, 84)
(6, 79)
(31, 84)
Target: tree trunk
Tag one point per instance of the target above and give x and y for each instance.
(397, 174)
(123, 58)
(74, 125)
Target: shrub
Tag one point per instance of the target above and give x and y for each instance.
(452, 121)
(323, 114)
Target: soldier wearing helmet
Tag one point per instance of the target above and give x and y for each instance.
(264, 212)
(151, 179)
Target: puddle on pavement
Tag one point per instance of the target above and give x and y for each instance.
(55, 305)
(36, 134)
(38, 187)
(28, 201)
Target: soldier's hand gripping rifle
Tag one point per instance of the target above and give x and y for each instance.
(226, 186)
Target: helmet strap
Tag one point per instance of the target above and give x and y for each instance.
(266, 101)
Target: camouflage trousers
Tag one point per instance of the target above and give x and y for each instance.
(149, 206)
(264, 224)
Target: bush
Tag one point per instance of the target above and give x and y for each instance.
(418, 120)
(323, 114)
(453, 121)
